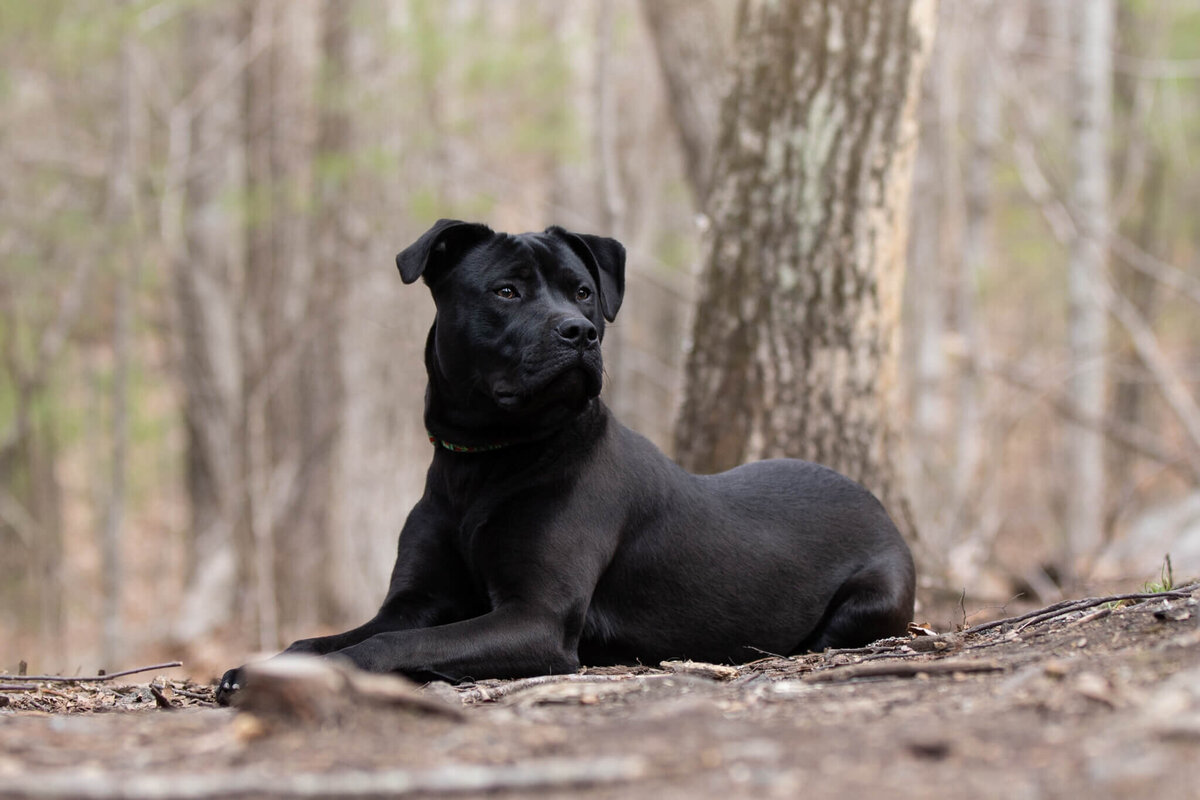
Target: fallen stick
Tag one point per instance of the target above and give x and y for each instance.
(1067, 606)
(89, 678)
(900, 669)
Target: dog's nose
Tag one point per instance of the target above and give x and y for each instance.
(577, 331)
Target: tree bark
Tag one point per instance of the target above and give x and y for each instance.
(794, 342)
(322, 373)
(208, 271)
(277, 327)
(973, 506)
(925, 284)
(1087, 268)
(120, 214)
(1139, 209)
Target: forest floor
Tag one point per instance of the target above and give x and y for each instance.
(1088, 699)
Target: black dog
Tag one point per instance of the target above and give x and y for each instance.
(551, 536)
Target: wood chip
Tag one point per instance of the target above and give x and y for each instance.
(717, 672)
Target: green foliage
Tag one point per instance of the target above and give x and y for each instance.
(1166, 578)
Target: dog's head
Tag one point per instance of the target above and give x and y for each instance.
(519, 318)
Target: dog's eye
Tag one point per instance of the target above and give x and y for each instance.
(583, 293)
(507, 292)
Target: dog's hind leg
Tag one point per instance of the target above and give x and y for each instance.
(874, 603)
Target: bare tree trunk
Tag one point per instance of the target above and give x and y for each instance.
(794, 343)
(322, 369)
(692, 49)
(1138, 207)
(209, 159)
(277, 330)
(1087, 268)
(926, 285)
(608, 168)
(983, 126)
(609, 197)
(120, 216)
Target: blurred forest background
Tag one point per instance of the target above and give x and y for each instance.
(210, 374)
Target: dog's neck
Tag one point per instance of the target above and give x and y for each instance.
(453, 447)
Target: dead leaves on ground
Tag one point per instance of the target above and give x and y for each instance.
(67, 697)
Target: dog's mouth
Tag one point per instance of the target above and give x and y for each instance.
(508, 399)
(571, 387)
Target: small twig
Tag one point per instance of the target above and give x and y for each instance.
(18, 687)
(900, 669)
(160, 699)
(90, 678)
(899, 654)
(1097, 614)
(765, 653)
(1001, 607)
(882, 646)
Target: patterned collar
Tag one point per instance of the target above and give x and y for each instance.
(463, 448)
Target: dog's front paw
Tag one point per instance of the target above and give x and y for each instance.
(229, 684)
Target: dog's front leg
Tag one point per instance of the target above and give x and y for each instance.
(515, 640)
(426, 588)
(397, 613)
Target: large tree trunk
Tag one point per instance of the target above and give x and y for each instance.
(1087, 267)
(794, 343)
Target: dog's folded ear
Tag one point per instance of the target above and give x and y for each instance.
(605, 259)
(442, 242)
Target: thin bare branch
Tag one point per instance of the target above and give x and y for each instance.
(1181, 401)
(1165, 273)
(1136, 440)
(234, 62)
(90, 678)
(1157, 68)
(15, 516)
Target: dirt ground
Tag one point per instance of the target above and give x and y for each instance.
(1092, 699)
